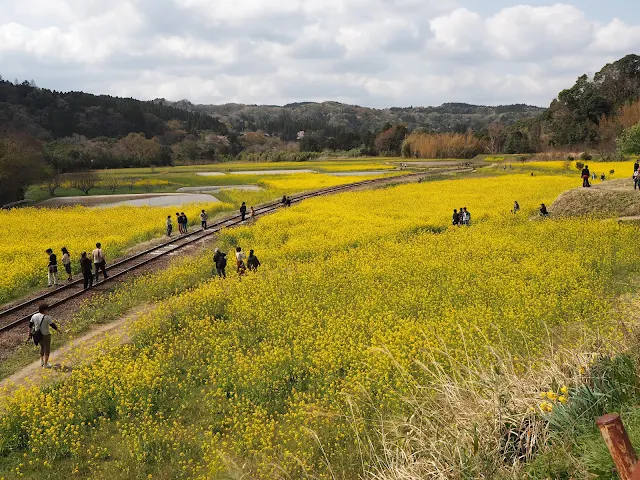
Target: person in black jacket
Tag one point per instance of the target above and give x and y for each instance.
(85, 266)
(252, 262)
(456, 217)
(52, 268)
(220, 260)
(585, 176)
(543, 210)
(243, 211)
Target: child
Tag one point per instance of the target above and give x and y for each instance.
(169, 226)
(66, 261)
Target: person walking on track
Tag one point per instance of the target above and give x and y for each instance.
(203, 219)
(40, 333)
(220, 261)
(243, 211)
(99, 261)
(66, 262)
(185, 223)
(179, 220)
(169, 226)
(52, 268)
(87, 270)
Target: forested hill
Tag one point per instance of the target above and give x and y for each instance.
(332, 118)
(49, 115)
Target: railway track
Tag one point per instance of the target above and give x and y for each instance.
(21, 313)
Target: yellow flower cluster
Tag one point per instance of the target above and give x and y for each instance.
(561, 397)
(258, 376)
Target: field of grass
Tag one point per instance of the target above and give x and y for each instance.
(368, 306)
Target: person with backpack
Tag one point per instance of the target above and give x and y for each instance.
(240, 258)
(52, 269)
(243, 211)
(86, 267)
(66, 262)
(169, 225)
(41, 335)
(220, 261)
(252, 262)
(203, 219)
(466, 217)
(185, 223)
(99, 262)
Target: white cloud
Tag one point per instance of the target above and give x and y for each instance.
(371, 52)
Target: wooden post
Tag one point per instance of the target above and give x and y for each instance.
(619, 445)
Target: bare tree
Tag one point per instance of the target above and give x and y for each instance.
(496, 137)
(111, 183)
(52, 183)
(84, 181)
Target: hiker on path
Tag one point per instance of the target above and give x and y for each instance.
(203, 219)
(636, 179)
(636, 166)
(220, 261)
(66, 261)
(99, 261)
(240, 258)
(284, 201)
(543, 211)
(52, 268)
(253, 212)
(185, 223)
(169, 226)
(456, 217)
(602, 177)
(40, 333)
(243, 211)
(87, 273)
(516, 207)
(585, 177)
(252, 262)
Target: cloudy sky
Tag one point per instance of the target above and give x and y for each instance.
(370, 52)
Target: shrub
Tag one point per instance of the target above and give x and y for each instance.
(586, 156)
(443, 145)
(579, 165)
(629, 141)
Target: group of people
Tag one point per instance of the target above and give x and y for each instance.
(462, 217)
(87, 266)
(220, 262)
(286, 201)
(183, 222)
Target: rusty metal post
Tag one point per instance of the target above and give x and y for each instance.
(617, 440)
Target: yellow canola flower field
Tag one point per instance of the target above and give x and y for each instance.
(28, 232)
(260, 376)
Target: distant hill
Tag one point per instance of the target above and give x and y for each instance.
(332, 118)
(50, 115)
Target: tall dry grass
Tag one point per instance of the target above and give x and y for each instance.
(461, 420)
(443, 145)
